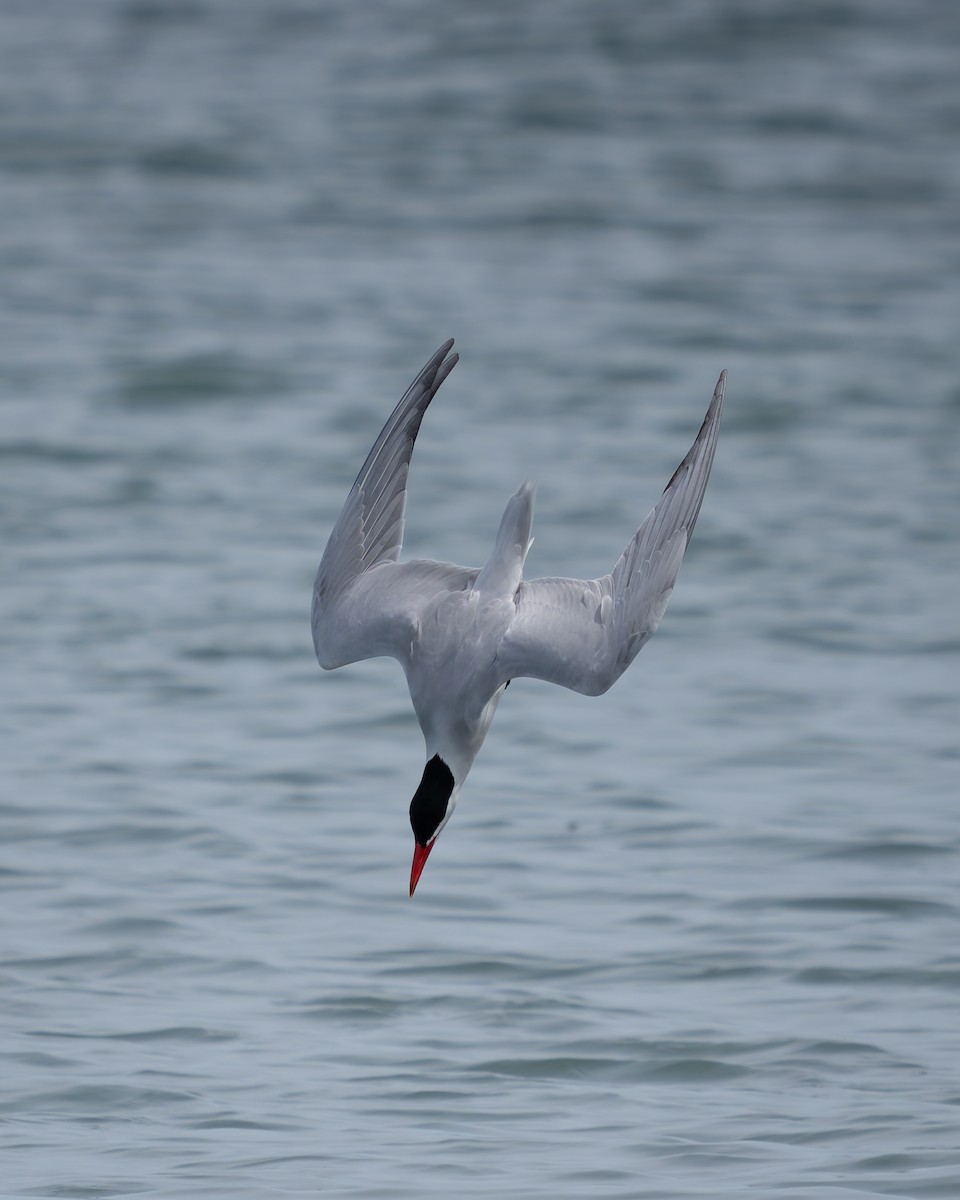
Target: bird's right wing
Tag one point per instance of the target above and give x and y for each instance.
(364, 601)
(379, 614)
(583, 634)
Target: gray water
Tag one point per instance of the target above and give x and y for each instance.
(697, 938)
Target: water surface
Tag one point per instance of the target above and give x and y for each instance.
(696, 938)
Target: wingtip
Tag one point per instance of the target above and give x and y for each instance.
(439, 360)
(716, 403)
(708, 429)
(444, 367)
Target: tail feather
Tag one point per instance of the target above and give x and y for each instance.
(503, 570)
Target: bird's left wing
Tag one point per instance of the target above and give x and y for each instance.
(363, 600)
(583, 634)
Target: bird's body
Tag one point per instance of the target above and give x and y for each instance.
(462, 634)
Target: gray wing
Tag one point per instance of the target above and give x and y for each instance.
(364, 602)
(583, 634)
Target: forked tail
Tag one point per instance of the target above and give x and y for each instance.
(503, 570)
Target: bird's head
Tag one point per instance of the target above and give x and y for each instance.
(430, 809)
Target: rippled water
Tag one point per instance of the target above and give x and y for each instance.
(697, 938)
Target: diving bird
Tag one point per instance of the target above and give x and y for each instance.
(462, 634)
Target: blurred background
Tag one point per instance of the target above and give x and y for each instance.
(696, 938)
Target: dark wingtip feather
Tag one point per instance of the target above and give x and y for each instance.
(446, 366)
(712, 417)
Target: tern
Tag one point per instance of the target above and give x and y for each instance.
(462, 634)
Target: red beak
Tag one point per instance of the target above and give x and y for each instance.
(420, 856)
